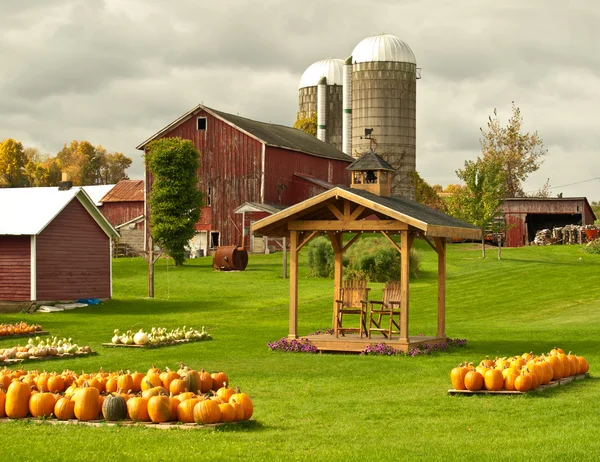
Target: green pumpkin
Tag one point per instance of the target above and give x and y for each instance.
(114, 407)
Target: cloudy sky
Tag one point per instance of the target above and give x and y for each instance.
(114, 72)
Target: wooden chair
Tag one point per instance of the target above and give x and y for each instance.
(353, 299)
(388, 306)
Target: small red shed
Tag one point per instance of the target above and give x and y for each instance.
(54, 245)
(524, 216)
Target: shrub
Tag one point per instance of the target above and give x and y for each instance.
(593, 247)
(320, 258)
(378, 261)
(371, 259)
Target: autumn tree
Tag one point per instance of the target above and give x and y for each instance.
(307, 123)
(113, 167)
(426, 194)
(12, 163)
(480, 201)
(175, 200)
(518, 153)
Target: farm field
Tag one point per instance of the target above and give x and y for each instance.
(344, 407)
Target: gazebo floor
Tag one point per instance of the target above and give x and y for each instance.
(353, 343)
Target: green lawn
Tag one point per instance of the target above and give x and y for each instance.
(345, 407)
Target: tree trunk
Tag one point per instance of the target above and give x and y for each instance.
(482, 243)
(500, 246)
(150, 267)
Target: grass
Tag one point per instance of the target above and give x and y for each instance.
(345, 407)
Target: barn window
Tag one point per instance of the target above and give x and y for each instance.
(201, 123)
(214, 239)
(209, 197)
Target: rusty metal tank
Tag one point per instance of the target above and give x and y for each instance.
(230, 257)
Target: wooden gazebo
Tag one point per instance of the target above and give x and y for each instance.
(366, 207)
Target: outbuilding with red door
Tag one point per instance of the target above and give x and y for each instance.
(54, 245)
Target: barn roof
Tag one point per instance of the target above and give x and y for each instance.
(279, 136)
(27, 211)
(125, 191)
(418, 216)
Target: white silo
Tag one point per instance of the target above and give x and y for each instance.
(384, 84)
(320, 92)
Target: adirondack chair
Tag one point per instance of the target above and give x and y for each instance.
(388, 306)
(353, 299)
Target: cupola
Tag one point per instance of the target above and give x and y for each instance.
(371, 173)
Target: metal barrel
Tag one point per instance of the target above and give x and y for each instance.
(230, 257)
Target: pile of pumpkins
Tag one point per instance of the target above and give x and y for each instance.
(20, 328)
(186, 395)
(518, 373)
(42, 348)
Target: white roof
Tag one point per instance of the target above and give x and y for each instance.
(330, 68)
(383, 47)
(97, 192)
(27, 211)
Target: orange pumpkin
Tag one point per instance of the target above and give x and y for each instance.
(111, 384)
(557, 366)
(64, 409)
(159, 408)
(219, 378)
(187, 395)
(125, 382)
(167, 377)
(583, 365)
(137, 378)
(177, 386)
(185, 410)
(457, 377)
(17, 400)
(87, 402)
(225, 393)
(150, 392)
(137, 409)
(246, 402)
(2, 402)
(523, 382)
(227, 412)
(493, 380)
(239, 410)
(42, 404)
(473, 382)
(151, 381)
(207, 412)
(56, 384)
(509, 379)
(206, 382)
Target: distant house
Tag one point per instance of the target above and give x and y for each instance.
(244, 161)
(527, 215)
(123, 207)
(54, 245)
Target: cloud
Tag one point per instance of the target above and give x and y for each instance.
(115, 72)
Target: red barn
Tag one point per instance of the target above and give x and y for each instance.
(246, 161)
(123, 202)
(526, 215)
(54, 245)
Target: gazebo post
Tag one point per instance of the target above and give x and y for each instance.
(293, 330)
(404, 284)
(337, 242)
(440, 244)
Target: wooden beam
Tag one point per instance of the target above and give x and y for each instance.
(338, 270)
(450, 231)
(334, 241)
(441, 324)
(339, 215)
(387, 236)
(431, 244)
(307, 240)
(351, 241)
(347, 210)
(357, 211)
(293, 326)
(404, 285)
(350, 225)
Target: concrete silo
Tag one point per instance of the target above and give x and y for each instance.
(321, 92)
(384, 84)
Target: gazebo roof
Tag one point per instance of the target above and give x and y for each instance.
(324, 212)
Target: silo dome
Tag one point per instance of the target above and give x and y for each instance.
(383, 47)
(330, 68)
